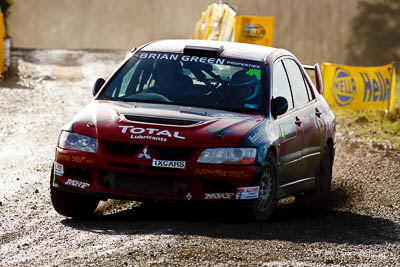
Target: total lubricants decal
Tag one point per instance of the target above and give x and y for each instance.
(150, 133)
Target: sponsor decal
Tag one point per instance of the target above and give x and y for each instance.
(149, 133)
(359, 88)
(76, 183)
(188, 196)
(378, 89)
(218, 195)
(217, 172)
(260, 133)
(184, 58)
(144, 154)
(168, 164)
(72, 158)
(232, 116)
(344, 87)
(197, 59)
(220, 131)
(252, 72)
(288, 130)
(58, 169)
(248, 192)
(242, 64)
(253, 31)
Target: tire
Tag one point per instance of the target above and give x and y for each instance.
(265, 204)
(73, 205)
(323, 178)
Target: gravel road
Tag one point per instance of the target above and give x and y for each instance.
(358, 225)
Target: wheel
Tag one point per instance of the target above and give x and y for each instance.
(324, 177)
(73, 205)
(265, 204)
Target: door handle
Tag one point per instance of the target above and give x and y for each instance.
(298, 121)
(318, 113)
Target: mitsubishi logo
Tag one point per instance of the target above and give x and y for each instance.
(144, 154)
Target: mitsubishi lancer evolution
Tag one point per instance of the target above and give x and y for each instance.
(198, 121)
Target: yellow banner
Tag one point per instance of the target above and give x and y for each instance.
(359, 88)
(254, 30)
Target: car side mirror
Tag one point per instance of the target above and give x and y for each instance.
(97, 85)
(279, 106)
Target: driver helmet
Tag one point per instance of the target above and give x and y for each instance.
(244, 86)
(167, 73)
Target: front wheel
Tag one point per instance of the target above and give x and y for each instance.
(265, 204)
(73, 205)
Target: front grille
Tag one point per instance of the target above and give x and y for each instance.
(173, 153)
(119, 148)
(158, 120)
(158, 152)
(144, 184)
(125, 165)
(212, 186)
(82, 174)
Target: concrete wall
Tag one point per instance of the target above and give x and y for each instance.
(315, 30)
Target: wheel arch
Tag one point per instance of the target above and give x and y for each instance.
(331, 145)
(273, 150)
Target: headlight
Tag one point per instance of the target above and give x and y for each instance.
(240, 156)
(74, 141)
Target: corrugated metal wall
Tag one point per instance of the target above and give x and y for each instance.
(315, 30)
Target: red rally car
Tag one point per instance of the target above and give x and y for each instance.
(191, 121)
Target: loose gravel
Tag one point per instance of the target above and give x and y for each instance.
(358, 225)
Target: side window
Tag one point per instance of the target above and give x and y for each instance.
(310, 92)
(297, 83)
(280, 84)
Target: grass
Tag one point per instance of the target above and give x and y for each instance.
(377, 127)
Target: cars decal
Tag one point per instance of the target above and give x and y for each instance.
(168, 164)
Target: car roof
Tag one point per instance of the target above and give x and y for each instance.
(230, 49)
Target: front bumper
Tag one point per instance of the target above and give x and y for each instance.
(89, 173)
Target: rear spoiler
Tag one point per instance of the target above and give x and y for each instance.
(318, 76)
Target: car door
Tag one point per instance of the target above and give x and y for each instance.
(291, 133)
(308, 114)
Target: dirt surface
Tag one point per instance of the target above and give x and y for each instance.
(359, 225)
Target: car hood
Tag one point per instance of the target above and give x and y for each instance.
(162, 125)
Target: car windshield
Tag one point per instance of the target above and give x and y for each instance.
(179, 79)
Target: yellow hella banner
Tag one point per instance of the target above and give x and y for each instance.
(359, 88)
(254, 30)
